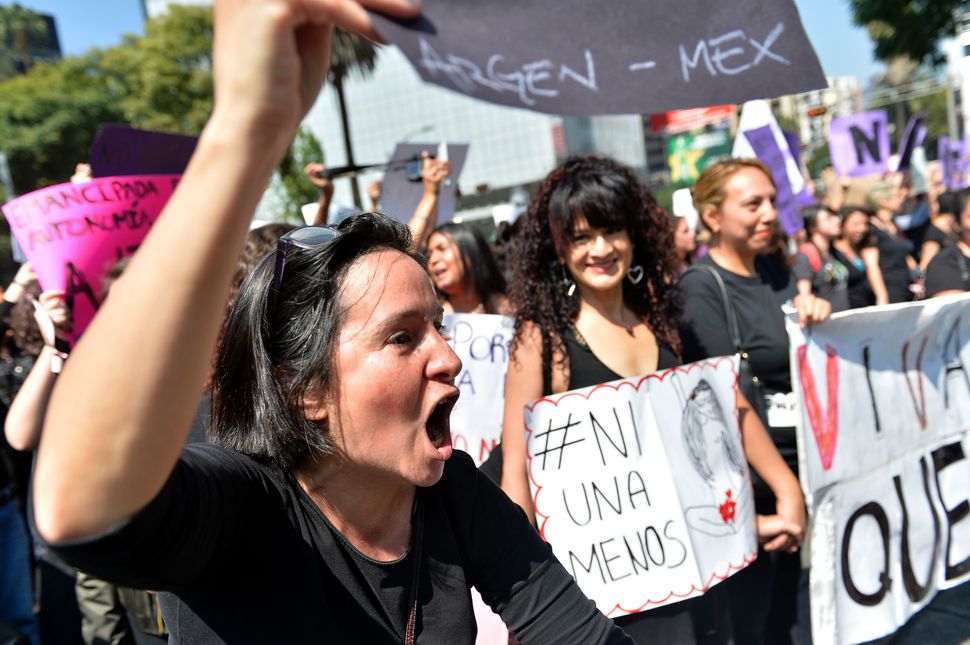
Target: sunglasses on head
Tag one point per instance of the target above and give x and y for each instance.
(307, 237)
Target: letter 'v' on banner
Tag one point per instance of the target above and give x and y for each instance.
(575, 57)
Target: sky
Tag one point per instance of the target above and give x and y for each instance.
(82, 24)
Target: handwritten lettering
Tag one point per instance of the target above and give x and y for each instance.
(714, 53)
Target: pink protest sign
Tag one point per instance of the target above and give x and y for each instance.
(74, 233)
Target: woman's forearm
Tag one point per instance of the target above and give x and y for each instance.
(424, 218)
(874, 274)
(157, 332)
(762, 455)
(25, 419)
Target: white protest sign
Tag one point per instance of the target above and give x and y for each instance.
(602, 462)
(482, 343)
(883, 445)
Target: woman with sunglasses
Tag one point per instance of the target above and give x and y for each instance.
(593, 270)
(329, 511)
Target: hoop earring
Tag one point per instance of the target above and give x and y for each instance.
(635, 274)
(567, 284)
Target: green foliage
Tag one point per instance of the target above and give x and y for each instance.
(907, 28)
(164, 78)
(819, 159)
(18, 26)
(49, 117)
(294, 188)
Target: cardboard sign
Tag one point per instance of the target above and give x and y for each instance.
(950, 153)
(859, 143)
(400, 196)
(74, 233)
(121, 150)
(913, 138)
(630, 57)
(482, 343)
(883, 447)
(602, 463)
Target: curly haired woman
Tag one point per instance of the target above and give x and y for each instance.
(592, 289)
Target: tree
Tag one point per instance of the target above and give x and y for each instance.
(49, 117)
(910, 29)
(349, 55)
(18, 26)
(294, 189)
(164, 78)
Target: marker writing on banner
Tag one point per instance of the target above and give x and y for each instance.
(655, 548)
(606, 435)
(715, 62)
(953, 363)
(543, 78)
(942, 457)
(71, 196)
(88, 225)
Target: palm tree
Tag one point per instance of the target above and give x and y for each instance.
(18, 26)
(350, 54)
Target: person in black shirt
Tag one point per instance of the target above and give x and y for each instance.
(330, 510)
(815, 267)
(592, 293)
(949, 272)
(943, 232)
(895, 251)
(736, 201)
(857, 253)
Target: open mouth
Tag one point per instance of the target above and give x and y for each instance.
(439, 423)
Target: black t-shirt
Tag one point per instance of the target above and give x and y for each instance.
(248, 557)
(830, 281)
(757, 302)
(893, 252)
(857, 288)
(947, 271)
(585, 367)
(945, 240)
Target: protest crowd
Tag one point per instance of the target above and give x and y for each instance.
(253, 441)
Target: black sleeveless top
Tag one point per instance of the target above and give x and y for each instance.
(586, 369)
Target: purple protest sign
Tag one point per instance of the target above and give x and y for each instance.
(912, 138)
(119, 150)
(951, 159)
(765, 147)
(859, 143)
(805, 197)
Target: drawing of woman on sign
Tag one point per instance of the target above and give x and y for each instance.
(717, 458)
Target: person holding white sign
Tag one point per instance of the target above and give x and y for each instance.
(738, 286)
(332, 509)
(594, 303)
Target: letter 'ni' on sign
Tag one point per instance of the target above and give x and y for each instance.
(582, 58)
(859, 143)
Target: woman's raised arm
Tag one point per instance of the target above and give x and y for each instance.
(123, 406)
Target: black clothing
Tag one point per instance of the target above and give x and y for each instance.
(945, 240)
(948, 270)
(761, 597)
(757, 301)
(830, 281)
(893, 251)
(248, 557)
(586, 369)
(857, 287)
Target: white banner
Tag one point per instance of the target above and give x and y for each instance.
(482, 343)
(601, 463)
(883, 445)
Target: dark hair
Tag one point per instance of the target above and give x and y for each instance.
(947, 203)
(810, 216)
(478, 263)
(268, 361)
(23, 327)
(609, 195)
